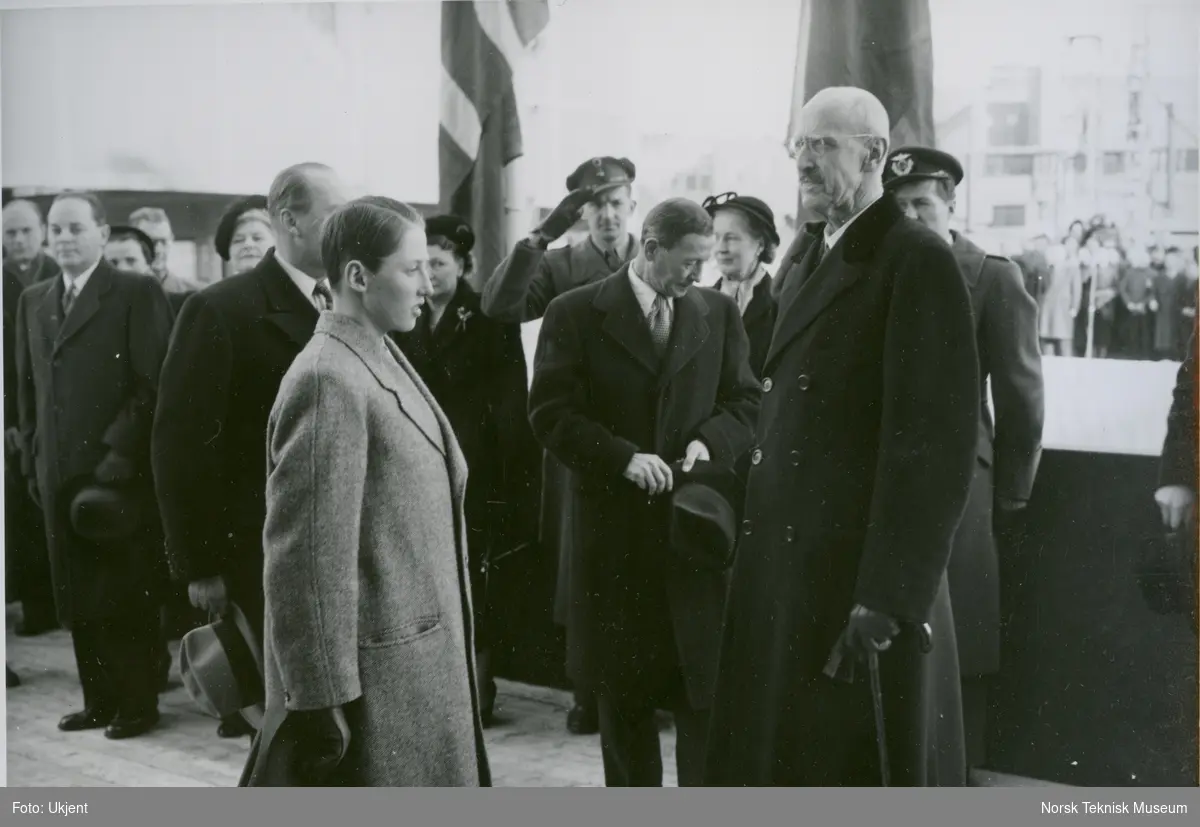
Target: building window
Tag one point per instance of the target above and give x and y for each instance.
(1010, 215)
(1009, 124)
(690, 183)
(1187, 160)
(1001, 165)
(1114, 163)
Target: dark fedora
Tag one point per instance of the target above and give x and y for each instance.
(222, 668)
(755, 209)
(106, 513)
(602, 174)
(703, 523)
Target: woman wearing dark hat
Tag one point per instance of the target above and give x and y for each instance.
(244, 235)
(475, 368)
(746, 241)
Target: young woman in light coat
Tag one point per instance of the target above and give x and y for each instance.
(369, 663)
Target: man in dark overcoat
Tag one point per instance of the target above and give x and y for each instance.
(25, 263)
(1177, 476)
(865, 447)
(89, 348)
(1009, 450)
(231, 346)
(632, 374)
(599, 190)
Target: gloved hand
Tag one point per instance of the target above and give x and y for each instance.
(565, 215)
(321, 738)
(866, 631)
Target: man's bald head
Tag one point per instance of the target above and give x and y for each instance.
(300, 199)
(24, 231)
(847, 109)
(840, 145)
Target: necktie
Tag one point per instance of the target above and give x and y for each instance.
(68, 299)
(660, 323)
(322, 295)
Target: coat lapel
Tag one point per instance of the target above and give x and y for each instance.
(50, 310)
(450, 327)
(624, 322)
(86, 305)
(689, 331)
(760, 303)
(374, 355)
(809, 292)
(291, 311)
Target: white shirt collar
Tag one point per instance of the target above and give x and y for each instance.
(742, 292)
(835, 236)
(303, 281)
(644, 292)
(79, 281)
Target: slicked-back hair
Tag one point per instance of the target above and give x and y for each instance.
(292, 189)
(672, 220)
(367, 230)
(91, 199)
(149, 215)
(32, 205)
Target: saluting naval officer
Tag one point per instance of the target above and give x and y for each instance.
(520, 289)
(1009, 447)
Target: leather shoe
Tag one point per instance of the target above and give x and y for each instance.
(235, 726)
(582, 720)
(86, 719)
(126, 726)
(27, 628)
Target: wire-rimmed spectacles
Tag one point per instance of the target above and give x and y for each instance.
(818, 145)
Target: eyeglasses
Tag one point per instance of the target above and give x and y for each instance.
(818, 145)
(718, 200)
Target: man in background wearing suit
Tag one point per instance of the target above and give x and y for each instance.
(1008, 452)
(25, 263)
(89, 348)
(634, 373)
(232, 344)
(866, 444)
(599, 190)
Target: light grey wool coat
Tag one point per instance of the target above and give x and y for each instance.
(367, 593)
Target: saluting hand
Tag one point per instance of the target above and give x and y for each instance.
(565, 215)
(1176, 503)
(649, 473)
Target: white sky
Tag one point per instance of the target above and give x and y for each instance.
(219, 98)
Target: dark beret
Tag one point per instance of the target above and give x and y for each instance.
(755, 209)
(920, 163)
(602, 174)
(126, 231)
(453, 229)
(230, 219)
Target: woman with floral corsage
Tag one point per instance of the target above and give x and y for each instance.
(475, 368)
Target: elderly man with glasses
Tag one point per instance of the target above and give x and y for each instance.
(864, 450)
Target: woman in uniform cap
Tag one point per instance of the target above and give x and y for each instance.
(475, 368)
(746, 241)
(244, 235)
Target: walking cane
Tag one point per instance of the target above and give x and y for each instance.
(880, 731)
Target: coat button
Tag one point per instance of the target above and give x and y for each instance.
(756, 457)
(789, 534)
(746, 527)
(804, 381)
(767, 385)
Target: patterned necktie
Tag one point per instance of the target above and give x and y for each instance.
(322, 295)
(660, 323)
(69, 299)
